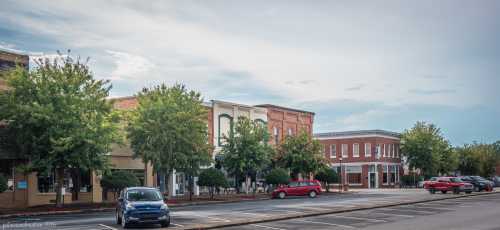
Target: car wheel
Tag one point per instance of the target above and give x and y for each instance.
(124, 222)
(476, 189)
(312, 194)
(282, 195)
(468, 192)
(165, 224)
(118, 219)
(456, 191)
(444, 191)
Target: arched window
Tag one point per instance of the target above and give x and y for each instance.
(260, 122)
(225, 127)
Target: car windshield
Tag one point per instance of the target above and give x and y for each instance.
(456, 180)
(143, 195)
(433, 179)
(478, 178)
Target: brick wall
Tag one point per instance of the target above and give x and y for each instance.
(361, 141)
(284, 119)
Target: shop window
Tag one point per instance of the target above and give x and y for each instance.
(385, 174)
(393, 173)
(7, 170)
(353, 174)
(46, 181)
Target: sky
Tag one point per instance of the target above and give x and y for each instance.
(356, 64)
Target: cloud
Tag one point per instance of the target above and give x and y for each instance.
(355, 88)
(432, 91)
(129, 66)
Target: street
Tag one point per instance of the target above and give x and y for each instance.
(460, 213)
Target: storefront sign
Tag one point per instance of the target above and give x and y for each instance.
(22, 184)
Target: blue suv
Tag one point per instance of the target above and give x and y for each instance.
(142, 205)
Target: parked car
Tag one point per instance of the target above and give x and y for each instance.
(496, 181)
(142, 205)
(480, 184)
(310, 188)
(445, 184)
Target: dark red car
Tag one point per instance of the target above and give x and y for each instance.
(445, 184)
(310, 188)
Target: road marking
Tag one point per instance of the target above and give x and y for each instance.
(433, 206)
(326, 223)
(255, 214)
(268, 227)
(360, 218)
(399, 215)
(178, 225)
(107, 227)
(409, 210)
(316, 208)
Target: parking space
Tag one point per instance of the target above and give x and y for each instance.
(366, 218)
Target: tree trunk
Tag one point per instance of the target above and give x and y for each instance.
(248, 181)
(190, 187)
(59, 186)
(169, 184)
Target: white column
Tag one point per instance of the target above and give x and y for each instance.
(171, 189)
(196, 187)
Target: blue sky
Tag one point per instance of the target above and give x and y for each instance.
(357, 64)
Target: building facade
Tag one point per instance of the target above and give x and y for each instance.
(366, 159)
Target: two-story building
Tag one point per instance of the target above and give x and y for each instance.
(364, 159)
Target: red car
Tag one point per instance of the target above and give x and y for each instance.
(445, 184)
(298, 188)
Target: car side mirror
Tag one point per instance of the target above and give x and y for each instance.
(120, 199)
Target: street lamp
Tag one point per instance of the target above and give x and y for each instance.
(340, 173)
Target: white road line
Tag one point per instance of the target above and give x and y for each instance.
(326, 223)
(107, 227)
(360, 218)
(178, 225)
(398, 215)
(409, 210)
(268, 227)
(255, 214)
(316, 208)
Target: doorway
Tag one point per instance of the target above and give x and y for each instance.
(372, 181)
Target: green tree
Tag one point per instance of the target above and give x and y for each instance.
(426, 149)
(477, 159)
(301, 154)
(468, 162)
(169, 129)
(3, 184)
(247, 151)
(58, 117)
(212, 178)
(117, 180)
(327, 176)
(277, 176)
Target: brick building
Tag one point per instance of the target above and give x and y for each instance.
(367, 159)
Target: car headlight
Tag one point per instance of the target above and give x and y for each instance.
(130, 206)
(164, 207)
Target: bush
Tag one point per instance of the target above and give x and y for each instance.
(277, 177)
(118, 180)
(327, 176)
(212, 178)
(3, 183)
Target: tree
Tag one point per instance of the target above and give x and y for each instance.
(426, 149)
(3, 184)
(301, 154)
(477, 159)
(327, 176)
(277, 176)
(247, 151)
(169, 129)
(118, 180)
(212, 178)
(58, 117)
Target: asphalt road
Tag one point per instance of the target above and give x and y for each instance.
(193, 216)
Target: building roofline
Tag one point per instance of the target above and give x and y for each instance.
(358, 133)
(284, 108)
(233, 103)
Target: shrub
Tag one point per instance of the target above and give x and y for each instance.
(277, 177)
(212, 178)
(327, 176)
(118, 180)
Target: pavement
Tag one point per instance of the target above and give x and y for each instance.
(291, 213)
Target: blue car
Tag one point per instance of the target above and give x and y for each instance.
(142, 205)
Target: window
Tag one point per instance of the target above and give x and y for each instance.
(377, 150)
(344, 150)
(290, 132)
(333, 151)
(397, 151)
(276, 135)
(7, 170)
(368, 150)
(389, 150)
(293, 184)
(385, 176)
(225, 128)
(46, 182)
(353, 174)
(393, 173)
(355, 150)
(392, 151)
(385, 150)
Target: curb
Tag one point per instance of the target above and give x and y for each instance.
(271, 219)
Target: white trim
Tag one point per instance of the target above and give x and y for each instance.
(357, 136)
(363, 163)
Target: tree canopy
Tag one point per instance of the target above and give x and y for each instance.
(247, 151)
(278, 176)
(327, 176)
(426, 149)
(58, 117)
(212, 178)
(301, 154)
(118, 180)
(477, 159)
(169, 129)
